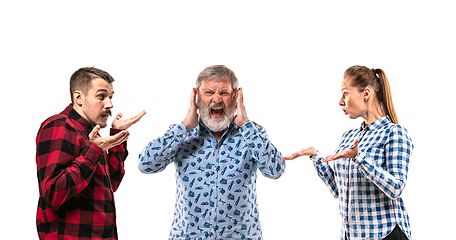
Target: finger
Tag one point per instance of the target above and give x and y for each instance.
(193, 96)
(94, 131)
(299, 154)
(355, 144)
(337, 156)
(138, 117)
(295, 155)
(119, 116)
(329, 158)
(290, 157)
(240, 97)
(115, 140)
(116, 136)
(119, 137)
(123, 138)
(141, 114)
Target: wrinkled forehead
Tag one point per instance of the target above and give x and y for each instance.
(217, 83)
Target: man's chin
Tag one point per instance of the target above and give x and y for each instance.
(103, 124)
(218, 124)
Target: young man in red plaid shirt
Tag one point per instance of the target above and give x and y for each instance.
(78, 170)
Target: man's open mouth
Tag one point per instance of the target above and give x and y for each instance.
(217, 112)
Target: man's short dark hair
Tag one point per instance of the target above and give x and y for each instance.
(82, 79)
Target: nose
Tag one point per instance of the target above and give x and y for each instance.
(108, 104)
(342, 102)
(217, 98)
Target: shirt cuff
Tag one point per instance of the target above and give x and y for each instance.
(92, 152)
(114, 131)
(316, 157)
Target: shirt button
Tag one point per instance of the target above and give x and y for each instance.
(183, 135)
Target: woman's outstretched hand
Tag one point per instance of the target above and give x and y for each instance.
(310, 151)
(347, 153)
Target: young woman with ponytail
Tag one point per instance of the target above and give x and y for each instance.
(369, 169)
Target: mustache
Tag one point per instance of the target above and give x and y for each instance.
(106, 112)
(216, 105)
(212, 105)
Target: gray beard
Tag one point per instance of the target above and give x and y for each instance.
(216, 125)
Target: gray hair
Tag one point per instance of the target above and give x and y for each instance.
(217, 73)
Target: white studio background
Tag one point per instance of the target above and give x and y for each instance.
(289, 57)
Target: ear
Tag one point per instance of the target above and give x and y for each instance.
(78, 97)
(367, 93)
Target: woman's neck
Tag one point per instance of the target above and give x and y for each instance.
(374, 113)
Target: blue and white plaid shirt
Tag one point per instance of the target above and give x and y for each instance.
(369, 186)
(216, 181)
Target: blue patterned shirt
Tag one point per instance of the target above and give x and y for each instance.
(369, 186)
(216, 181)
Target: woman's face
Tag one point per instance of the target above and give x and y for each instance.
(352, 101)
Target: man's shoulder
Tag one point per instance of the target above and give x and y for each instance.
(60, 120)
(252, 124)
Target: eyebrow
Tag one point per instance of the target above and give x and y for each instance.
(104, 90)
(212, 90)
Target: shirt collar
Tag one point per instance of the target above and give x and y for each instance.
(82, 123)
(377, 124)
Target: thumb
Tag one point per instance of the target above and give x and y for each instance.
(94, 131)
(119, 116)
(355, 144)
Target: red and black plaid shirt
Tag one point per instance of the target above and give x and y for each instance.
(77, 180)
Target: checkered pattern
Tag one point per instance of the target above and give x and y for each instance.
(76, 180)
(216, 181)
(369, 186)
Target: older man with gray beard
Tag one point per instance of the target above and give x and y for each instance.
(216, 156)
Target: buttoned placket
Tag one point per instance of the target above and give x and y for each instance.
(351, 167)
(214, 182)
(214, 200)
